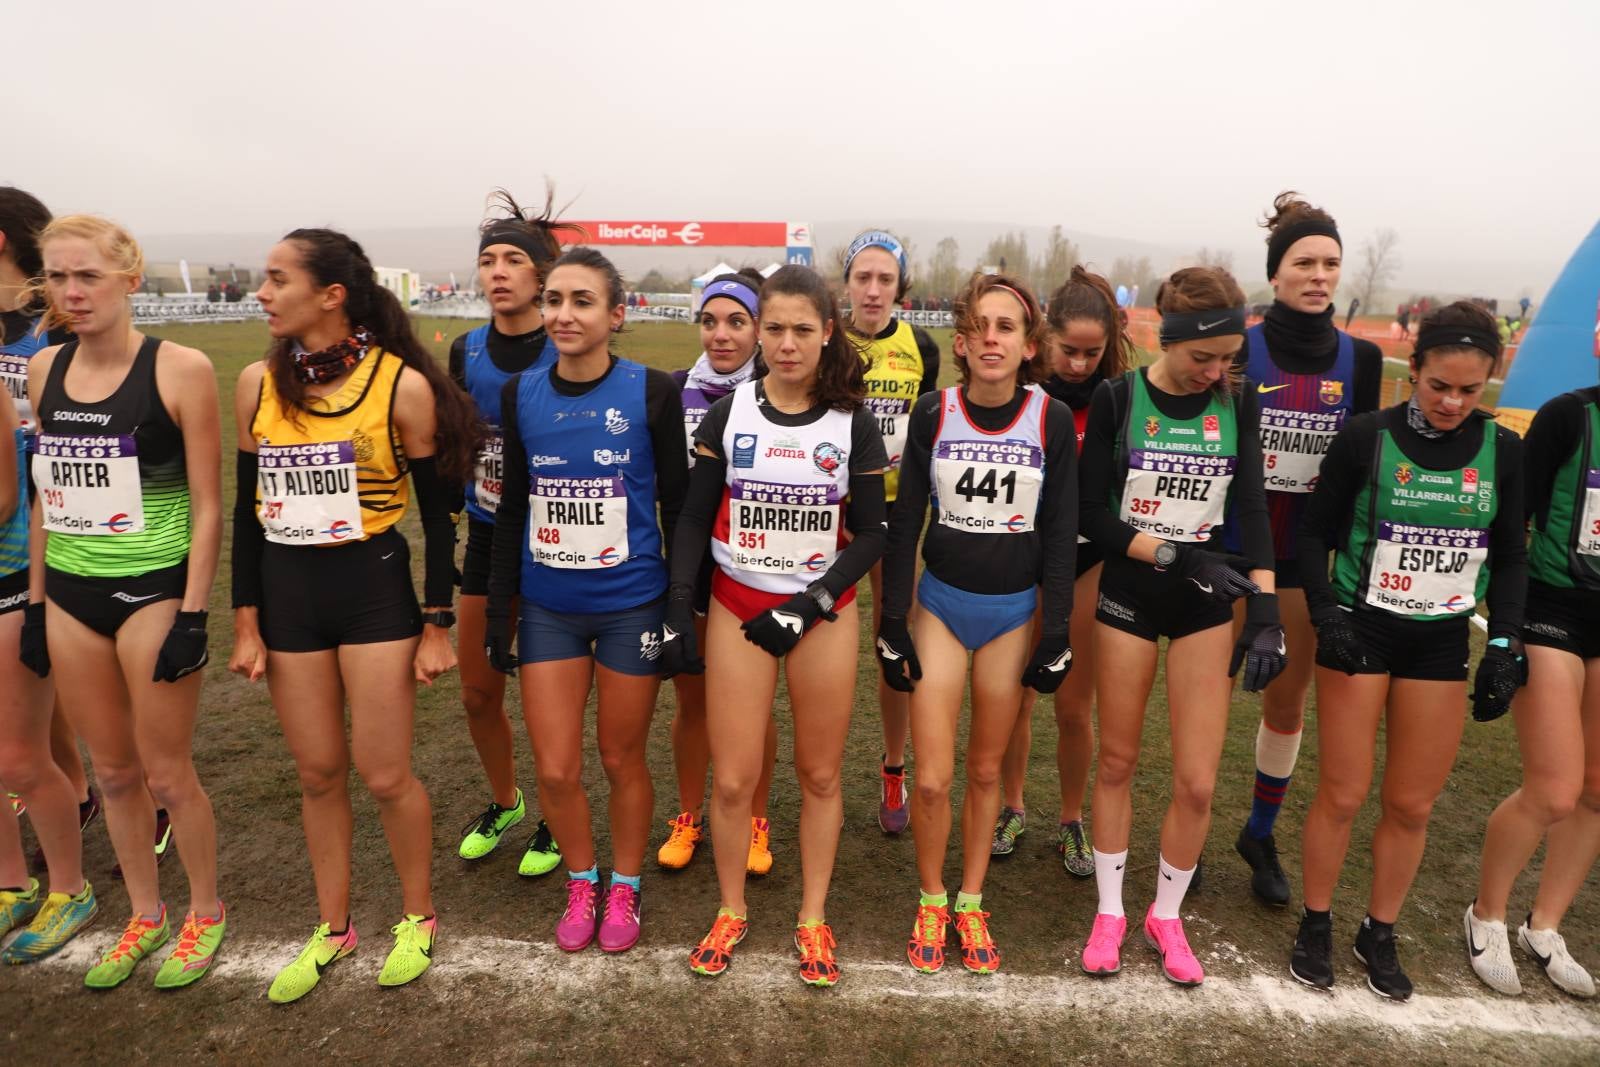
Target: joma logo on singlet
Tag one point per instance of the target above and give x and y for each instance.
(102, 418)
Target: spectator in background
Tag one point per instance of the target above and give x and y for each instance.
(1350, 312)
(1403, 317)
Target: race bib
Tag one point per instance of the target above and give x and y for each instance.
(489, 472)
(783, 529)
(1292, 446)
(988, 486)
(891, 414)
(1589, 523)
(89, 484)
(1426, 570)
(14, 373)
(578, 523)
(309, 493)
(1176, 496)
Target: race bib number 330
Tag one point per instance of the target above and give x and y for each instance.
(89, 484)
(1426, 570)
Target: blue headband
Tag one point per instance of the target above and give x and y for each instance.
(876, 239)
(733, 289)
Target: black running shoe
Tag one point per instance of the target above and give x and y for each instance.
(1375, 948)
(162, 843)
(1312, 959)
(1268, 882)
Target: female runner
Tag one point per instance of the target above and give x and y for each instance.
(346, 404)
(1421, 505)
(777, 459)
(514, 252)
(129, 511)
(1088, 344)
(730, 316)
(592, 446)
(1170, 454)
(1558, 715)
(996, 460)
(901, 363)
(1309, 378)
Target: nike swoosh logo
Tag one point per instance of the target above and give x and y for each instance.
(1060, 662)
(1167, 876)
(1472, 948)
(668, 633)
(1272, 388)
(1283, 649)
(1198, 585)
(788, 621)
(390, 555)
(1542, 961)
(1119, 866)
(1204, 326)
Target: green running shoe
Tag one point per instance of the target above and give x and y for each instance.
(198, 942)
(412, 952)
(483, 832)
(1073, 844)
(17, 907)
(59, 920)
(302, 976)
(139, 938)
(1007, 828)
(543, 854)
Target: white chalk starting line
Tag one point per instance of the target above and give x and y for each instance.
(551, 972)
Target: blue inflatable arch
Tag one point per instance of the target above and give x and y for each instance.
(1559, 351)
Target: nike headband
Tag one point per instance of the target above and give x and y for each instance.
(1281, 239)
(736, 289)
(876, 239)
(506, 232)
(1197, 325)
(1439, 336)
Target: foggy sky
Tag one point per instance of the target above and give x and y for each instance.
(1469, 127)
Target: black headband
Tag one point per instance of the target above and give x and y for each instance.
(517, 236)
(1438, 335)
(1201, 325)
(1282, 238)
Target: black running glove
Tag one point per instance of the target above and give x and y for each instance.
(1502, 671)
(184, 651)
(1261, 650)
(1338, 646)
(35, 653)
(1220, 576)
(497, 637)
(1052, 659)
(779, 629)
(680, 651)
(897, 655)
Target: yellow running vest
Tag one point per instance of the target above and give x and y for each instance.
(335, 472)
(893, 373)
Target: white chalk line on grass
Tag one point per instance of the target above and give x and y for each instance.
(1126, 997)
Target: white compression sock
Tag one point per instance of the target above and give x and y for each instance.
(1171, 885)
(1108, 876)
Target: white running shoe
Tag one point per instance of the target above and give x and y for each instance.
(1549, 951)
(1489, 952)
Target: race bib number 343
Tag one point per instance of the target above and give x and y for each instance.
(89, 484)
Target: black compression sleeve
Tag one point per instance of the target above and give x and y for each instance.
(249, 539)
(435, 507)
(511, 518)
(868, 515)
(1249, 490)
(1366, 391)
(1507, 596)
(1058, 517)
(693, 532)
(929, 350)
(1327, 517)
(910, 510)
(1097, 463)
(458, 361)
(664, 407)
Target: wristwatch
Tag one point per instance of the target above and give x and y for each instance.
(1166, 554)
(446, 619)
(824, 599)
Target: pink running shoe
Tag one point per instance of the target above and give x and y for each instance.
(1166, 937)
(577, 926)
(620, 928)
(1103, 954)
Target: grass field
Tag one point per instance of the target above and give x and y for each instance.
(500, 992)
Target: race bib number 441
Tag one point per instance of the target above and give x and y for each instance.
(89, 484)
(578, 523)
(309, 493)
(783, 529)
(1426, 570)
(988, 486)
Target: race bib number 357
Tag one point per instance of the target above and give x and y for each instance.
(89, 484)
(1174, 495)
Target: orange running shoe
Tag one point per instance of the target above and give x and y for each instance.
(715, 951)
(760, 861)
(679, 847)
(978, 952)
(926, 948)
(815, 941)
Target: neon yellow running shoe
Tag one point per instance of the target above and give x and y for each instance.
(139, 938)
(483, 832)
(412, 952)
(302, 976)
(542, 855)
(59, 920)
(17, 907)
(198, 942)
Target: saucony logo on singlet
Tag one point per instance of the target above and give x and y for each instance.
(102, 418)
(127, 599)
(1263, 388)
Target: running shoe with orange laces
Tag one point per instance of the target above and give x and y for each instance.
(925, 950)
(198, 941)
(978, 952)
(678, 849)
(715, 951)
(816, 943)
(893, 813)
(760, 859)
(139, 938)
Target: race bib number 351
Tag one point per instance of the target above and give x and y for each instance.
(89, 484)
(783, 529)
(309, 493)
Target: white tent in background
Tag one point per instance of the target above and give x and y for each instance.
(698, 284)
